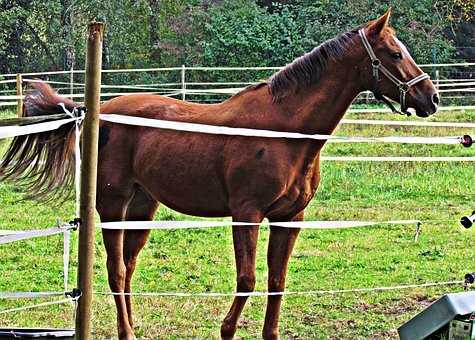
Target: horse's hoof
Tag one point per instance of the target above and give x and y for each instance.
(227, 333)
(271, 335)
(127, 336)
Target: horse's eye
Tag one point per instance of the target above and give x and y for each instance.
(396, 55)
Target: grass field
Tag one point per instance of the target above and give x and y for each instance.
(202, 261)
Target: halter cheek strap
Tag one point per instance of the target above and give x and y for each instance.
(403, 87)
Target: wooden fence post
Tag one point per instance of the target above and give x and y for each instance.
(19, 93)
(88, 179)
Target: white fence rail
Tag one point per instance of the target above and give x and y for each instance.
(457, 88)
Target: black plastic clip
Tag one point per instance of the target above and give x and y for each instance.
(466, 140)
(467, 221)
(80, 111)
(469, 278)
(76, 223)
(74, 294)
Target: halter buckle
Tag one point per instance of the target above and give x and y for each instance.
(376, 65)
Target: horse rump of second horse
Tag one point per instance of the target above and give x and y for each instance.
(248, 178)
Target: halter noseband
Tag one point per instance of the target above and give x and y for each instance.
(403, 87)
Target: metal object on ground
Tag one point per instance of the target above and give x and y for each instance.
(450, 317)
(461, 329)
(36, 333)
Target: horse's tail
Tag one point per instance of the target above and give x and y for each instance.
(43, 163)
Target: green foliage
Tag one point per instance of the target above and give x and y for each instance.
(414, 22)
(240, 33)
(50, 34)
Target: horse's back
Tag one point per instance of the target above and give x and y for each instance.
(156, 106)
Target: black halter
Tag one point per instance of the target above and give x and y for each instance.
(403, 87)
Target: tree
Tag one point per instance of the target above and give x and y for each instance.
(154, 30)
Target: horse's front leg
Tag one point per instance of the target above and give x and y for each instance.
(281, 243)
(245, 241)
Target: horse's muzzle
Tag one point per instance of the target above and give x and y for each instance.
(426, 105)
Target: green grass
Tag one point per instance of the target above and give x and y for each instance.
(201, 261)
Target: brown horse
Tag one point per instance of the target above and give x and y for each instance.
(248, 178)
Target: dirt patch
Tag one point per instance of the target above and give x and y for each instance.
(395, 306)
(385, 335)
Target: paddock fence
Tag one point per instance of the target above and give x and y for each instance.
(454, 81)
(7, 236)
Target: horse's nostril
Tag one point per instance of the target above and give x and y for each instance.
(435, 99)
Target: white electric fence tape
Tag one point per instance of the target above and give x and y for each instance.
(384, 110)
(28, 234)
(287, 293)
(408, 123)
(169, 225)
(7, 232)
(396, 159)
(44, 304)
(28, 295)
(230, 131)
(66, 251)
(77, 151)
(21, 130)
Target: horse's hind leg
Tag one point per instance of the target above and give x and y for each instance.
(141, 208)
(111, 207)
(281, 243)
(245, 241)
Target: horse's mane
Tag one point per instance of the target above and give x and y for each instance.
(307, 69)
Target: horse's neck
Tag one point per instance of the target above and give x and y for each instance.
(320, 108)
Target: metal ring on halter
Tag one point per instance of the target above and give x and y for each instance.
(404, 87)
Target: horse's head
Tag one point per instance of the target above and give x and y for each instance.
(389, 70)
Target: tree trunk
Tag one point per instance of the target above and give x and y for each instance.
(44, 45)
(68, 55)
(465, 39)
(154, 25)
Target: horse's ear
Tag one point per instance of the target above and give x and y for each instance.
(378, 25)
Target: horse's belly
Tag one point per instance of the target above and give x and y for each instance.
(184, 174)
(199, 196)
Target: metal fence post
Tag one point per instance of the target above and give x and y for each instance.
(183, 82)
(71, 83)
(437, 77)
(19, 93)
(88, 179)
